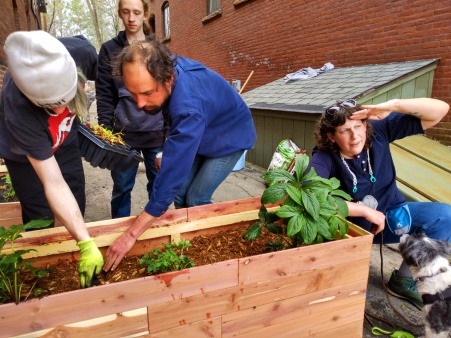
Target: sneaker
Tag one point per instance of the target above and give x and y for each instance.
(405, 288)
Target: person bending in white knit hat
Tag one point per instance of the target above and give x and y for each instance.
(42, 93)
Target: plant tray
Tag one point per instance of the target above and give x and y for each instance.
(101, 154)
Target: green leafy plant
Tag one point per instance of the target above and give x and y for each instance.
(313, 208)
(169, 258)
(13, 268)
(9, 192)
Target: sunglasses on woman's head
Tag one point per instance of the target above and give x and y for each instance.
(350, 103)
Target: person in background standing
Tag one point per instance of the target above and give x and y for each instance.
(117, 110)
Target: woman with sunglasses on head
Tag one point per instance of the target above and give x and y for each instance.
(353, 146)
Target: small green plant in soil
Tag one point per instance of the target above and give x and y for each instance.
(169, 258)
(106, 134)
(13, 268)
(313, 208)
(7, 187)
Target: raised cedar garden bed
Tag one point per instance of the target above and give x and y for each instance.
(314, 290)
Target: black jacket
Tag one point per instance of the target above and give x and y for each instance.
(116, 108)
(84, 54)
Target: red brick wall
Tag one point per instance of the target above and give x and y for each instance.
(13, 19)
(274, 37)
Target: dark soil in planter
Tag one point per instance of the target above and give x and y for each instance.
(205, 249)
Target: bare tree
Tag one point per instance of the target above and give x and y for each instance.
(54, 12)
(111, 17)
(93, 11)
(97, 20)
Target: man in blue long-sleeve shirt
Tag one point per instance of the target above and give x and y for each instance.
(211, 127)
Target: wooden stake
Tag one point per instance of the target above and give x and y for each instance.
(245, 83)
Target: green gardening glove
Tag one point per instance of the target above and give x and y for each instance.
(91, 261)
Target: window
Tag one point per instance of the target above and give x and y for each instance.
(213, 6)
(166, 20)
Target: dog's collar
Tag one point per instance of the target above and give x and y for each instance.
(422, 278)
(429, 299)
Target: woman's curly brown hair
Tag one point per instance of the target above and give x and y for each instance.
(328, 122)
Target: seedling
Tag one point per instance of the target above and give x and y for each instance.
(13, 268)
(169, 258)
(313, 208)
(106, 135)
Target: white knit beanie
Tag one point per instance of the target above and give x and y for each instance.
(41, 67)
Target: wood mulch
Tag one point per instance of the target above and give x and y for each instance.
(205, 249)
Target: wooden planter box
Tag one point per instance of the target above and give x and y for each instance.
(316, 290)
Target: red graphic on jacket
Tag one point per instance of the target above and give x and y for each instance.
(59, 127)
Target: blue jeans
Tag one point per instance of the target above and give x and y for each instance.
(124, 181)
(431, 218)
(205, 176)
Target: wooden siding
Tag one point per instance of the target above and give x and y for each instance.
(417, 84)
(274, 126)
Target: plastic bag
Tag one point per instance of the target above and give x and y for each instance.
(283, 157)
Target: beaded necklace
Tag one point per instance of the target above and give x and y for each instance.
(354, 178)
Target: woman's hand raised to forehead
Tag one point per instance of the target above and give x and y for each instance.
(374, 112)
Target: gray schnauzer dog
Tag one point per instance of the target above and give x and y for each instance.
(428, 261)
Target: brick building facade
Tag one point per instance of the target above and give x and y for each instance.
(274, 38)
(16, 15)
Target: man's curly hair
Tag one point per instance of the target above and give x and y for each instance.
(154, 54)
(328, 122)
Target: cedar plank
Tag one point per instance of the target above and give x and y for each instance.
(421, 176)
(311, 324)
(116, 298)
(350, 330)
(223, 208)
(427, 149)
(49, 241)
(217, 303)
(206, 328)
(266, 267)
(117, 325)
(280, 311)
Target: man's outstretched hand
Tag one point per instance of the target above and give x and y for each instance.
(117, 250)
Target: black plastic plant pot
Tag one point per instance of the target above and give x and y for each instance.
(104, 155)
